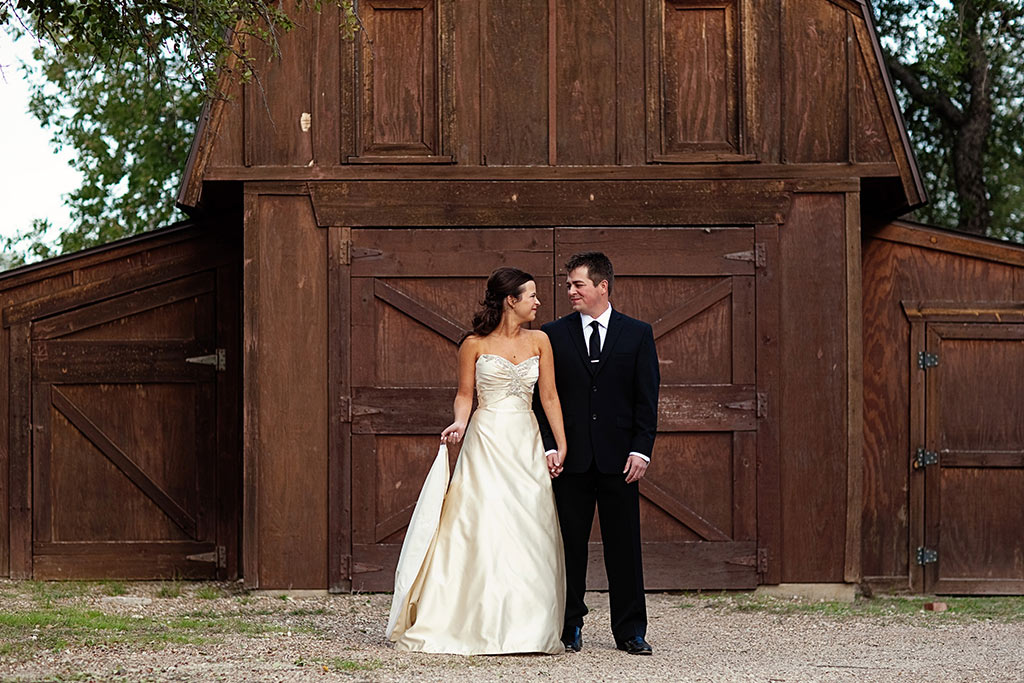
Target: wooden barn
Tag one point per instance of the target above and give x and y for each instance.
(258, 393)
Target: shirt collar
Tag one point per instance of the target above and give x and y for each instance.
(602, 319)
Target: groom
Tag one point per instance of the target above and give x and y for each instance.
(606, 370)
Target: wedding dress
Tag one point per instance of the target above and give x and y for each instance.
(482, 569)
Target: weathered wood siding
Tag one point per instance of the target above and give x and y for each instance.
(906, 263)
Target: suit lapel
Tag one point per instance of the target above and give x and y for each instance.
(614, 330)
(576, 334)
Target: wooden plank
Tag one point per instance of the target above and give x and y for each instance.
(404, 410)
(951, 242)
(229, 416)
(133, 361)
(467, 82)
(292, 398)
(511, 203)
(965, 312)
(5, 443)
(963, 458)
(691, 307)
(760, 40)
(250, 393)
(514, 99)
(815, 91)
(205, 458)
(326, 72)
(630, 85)
(422, 313)
(916, 534)
(20, 453)
(554, 61)
(339, 452)
(123, 462)
(813, 363)
(654, 31)
(707, 407)
(103, 289)
(42, 492)
(681, 511)
(822, 176)
(124, 306)
(976, 331)
(933, 489)
(852, 570)
(432, 253)
(685, 252)
(118, 560)
(744, 335)
(725, 565)
(348, 96)
(980, 586)
(744, 486)
(584, 38)
(364, 481)
(769, 476)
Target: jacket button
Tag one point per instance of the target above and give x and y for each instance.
(594, 389)
(594, 416)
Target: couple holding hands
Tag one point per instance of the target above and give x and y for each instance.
(495, 560)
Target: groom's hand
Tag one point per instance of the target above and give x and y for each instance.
(636, 467)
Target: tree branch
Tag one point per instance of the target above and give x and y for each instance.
(941, 104)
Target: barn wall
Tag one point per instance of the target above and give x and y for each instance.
(895, 272)
(285, 389)
(813, 430)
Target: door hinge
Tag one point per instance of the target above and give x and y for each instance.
(923, 458)
(762, 560)
(217, 557)
(218, 360)
(926, 555)
(762, 404)
(755, 256)
(926, 359)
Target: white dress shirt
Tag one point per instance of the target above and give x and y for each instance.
(602, 327)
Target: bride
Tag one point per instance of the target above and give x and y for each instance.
(482, 569)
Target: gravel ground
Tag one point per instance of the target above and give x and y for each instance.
(695, 638)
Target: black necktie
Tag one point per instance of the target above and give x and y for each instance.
(595, 341)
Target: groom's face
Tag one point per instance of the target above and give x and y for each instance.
(584, 295)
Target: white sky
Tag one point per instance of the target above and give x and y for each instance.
(33, 176)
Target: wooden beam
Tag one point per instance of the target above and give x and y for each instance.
(854, 392)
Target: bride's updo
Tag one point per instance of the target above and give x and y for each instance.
(502, 283)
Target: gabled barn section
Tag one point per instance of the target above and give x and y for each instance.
(943, 390)
(120, 421)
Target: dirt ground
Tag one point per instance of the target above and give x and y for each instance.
(204, 632)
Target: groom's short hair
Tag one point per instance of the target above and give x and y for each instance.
(599, 267)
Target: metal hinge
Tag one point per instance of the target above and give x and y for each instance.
(926, 555)
(218, 556)
(755, 256)
(927, 360)
(762, 404)
(218, 360)
(762, 560)
(924, 457)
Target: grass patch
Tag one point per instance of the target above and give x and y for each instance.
(28, 632)
(340, 664)
(45, 593)
(987, 608)
(208, 592)
(170, 589)
(114, 588)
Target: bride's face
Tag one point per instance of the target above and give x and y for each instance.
(525, 307)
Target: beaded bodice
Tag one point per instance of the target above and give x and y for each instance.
(500, 382)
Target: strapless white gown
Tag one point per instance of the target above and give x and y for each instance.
(482, 569)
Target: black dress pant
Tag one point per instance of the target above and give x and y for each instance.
(618, 506)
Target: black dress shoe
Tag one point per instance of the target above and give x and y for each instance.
(572, 638)
(634, 646)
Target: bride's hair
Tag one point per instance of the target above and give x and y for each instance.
(502, 283)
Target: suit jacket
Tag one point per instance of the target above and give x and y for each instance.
(609, 408)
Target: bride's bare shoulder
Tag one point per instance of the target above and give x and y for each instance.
(540, 341)
(471, 344)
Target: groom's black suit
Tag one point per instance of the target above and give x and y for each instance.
(609, 409)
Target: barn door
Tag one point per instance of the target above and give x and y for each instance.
(413, 295)
(973, 459)
(698, 501)
(125, 440)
